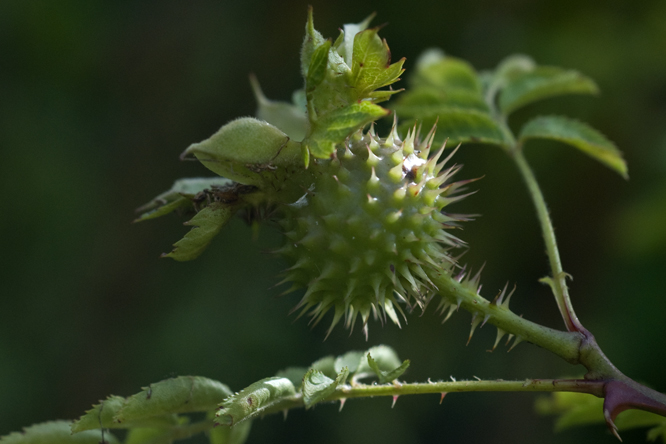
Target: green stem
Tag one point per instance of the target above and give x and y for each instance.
(399, 389)
(564, 344)
(558, 280)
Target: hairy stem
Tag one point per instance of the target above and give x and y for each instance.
(558, 279)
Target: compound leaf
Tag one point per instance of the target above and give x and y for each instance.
(205, 226)
(56, 432)
(541, 83)
(579, 135)
(176, 395)
(254, 399)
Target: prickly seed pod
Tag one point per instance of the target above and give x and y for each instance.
(368, 232)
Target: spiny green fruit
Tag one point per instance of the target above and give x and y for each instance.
(370, 229)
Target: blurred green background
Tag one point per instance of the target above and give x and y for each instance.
(98, 99)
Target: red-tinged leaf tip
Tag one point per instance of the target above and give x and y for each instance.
(442, 398)
(395, 398)
(342, 403)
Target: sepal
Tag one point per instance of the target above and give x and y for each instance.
(180, 196)
(206, 224)
(247, 151)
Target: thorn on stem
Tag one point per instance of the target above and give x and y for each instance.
(342, 403)
(395, 398)
(442, 398)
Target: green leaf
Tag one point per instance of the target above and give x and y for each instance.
(246, 150)
(312, 40)
(460, 125)
(442, 73)
(254, 399)
(317, 386)
(318, 66)
(326, 365)
(334, 127)
(351, 360)
(579, 135)
(294, 374)
(657, 432)
(346, 46)
(578, 409)
(179, 196)
(371, 64)
(541, 83)
(56, 432)
(100, 415)
(511, 67)
(387, 376)
(381, 361)
(420, 102)
(146, 435)
(104, 413)
(206, 224)
(230, 435)
(290, 118)
(176, 395)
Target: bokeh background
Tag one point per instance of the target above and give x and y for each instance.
(98, 99)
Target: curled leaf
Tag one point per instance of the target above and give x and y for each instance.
(317, 386)
(254, 399)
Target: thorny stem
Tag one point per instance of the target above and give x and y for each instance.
(398, 389)
(566, 345)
